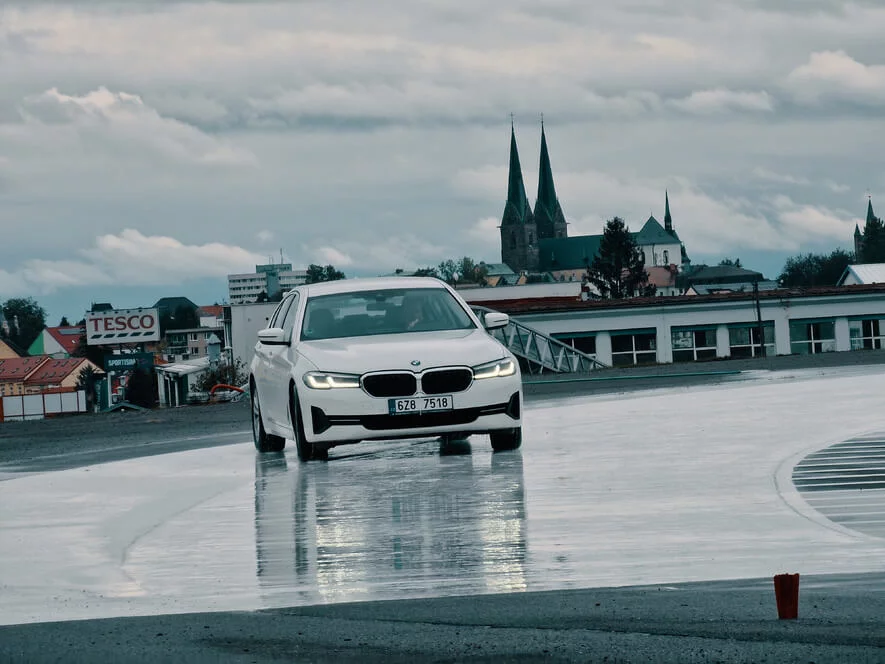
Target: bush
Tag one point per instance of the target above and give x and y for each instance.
(223, 374)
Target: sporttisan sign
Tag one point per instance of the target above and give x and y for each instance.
(122, 326)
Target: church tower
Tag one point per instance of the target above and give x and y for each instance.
(548, 213)
(519, 232)
(870, 230)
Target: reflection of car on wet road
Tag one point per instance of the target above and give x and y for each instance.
(362, 359)
(331, 532)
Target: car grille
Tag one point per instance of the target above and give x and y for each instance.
(390, 385)
(446, 381)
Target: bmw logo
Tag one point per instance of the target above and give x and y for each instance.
(416, 363)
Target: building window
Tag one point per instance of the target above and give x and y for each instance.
(744, 340)
(513, 239)
(632, 348)
(666, 257)
(867, 334)
(582, 341)
(693, 344)
(812, 337)
(531, 238)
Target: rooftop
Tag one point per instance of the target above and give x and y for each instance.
(54, 371)
(68, 337)
(561, 304)
(15, 369)
(865, 273)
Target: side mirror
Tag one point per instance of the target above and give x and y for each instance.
(272, 335)
(495, 319)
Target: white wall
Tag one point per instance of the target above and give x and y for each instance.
(246, 320)
(559, 289)
(654, 254)
(662, 319)
(36, 406)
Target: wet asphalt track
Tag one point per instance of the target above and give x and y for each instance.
(662, 502)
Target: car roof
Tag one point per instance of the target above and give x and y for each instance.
(366, 284)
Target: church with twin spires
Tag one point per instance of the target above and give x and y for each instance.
(537, 241)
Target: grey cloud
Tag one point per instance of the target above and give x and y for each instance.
(357, 115)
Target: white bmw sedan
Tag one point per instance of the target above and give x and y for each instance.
(394, 357)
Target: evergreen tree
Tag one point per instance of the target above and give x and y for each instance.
(873, 247)
(618, 270)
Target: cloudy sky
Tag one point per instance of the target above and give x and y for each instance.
(149, 148)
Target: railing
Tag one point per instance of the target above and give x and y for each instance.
(542, 353)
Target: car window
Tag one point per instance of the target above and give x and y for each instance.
(291, 313)
(387, 311)
(278, 313)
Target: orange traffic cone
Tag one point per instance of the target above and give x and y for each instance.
(786, 592)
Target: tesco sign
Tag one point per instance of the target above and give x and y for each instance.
(122, 326)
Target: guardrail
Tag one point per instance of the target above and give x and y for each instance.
(542, 352)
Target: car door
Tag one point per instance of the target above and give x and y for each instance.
(280, 362)
(261, 368)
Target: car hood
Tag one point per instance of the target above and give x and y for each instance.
(357, 355)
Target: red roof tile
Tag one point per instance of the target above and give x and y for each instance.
(55, 371)
(17, 368)
(68, 336)
(213, 310)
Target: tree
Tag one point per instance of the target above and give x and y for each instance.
(426, 272)
(814, 270)
(64, 322)
(183, 318)
(618, 270)
(94, 354)
(317, 273)
(26, 319)
(465, 267)
(234, 374)
(86, 381)
(141, 388)
(733, 263)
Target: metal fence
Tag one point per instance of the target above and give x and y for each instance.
(541, 352)
(37, 406)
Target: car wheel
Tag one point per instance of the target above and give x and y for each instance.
(264, 442)
(306, 451)
(506, 439)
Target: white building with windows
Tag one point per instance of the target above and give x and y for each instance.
(268, 279)
(707, 327)
(662, 330)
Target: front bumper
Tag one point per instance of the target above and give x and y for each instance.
(351, 415)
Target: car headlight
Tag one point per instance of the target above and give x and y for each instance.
(498, 368)
(318, 380)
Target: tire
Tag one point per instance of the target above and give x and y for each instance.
(306, 451)
(506, 439)
(264, 442)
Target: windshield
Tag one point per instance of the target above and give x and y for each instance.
(389, 311)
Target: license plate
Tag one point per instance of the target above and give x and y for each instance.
(414, 405)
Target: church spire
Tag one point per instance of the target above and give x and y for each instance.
(517, 209)
(870, 216)
(668, 220)
(546, 188)
(548, 213)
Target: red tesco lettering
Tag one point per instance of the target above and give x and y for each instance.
(121, 323)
